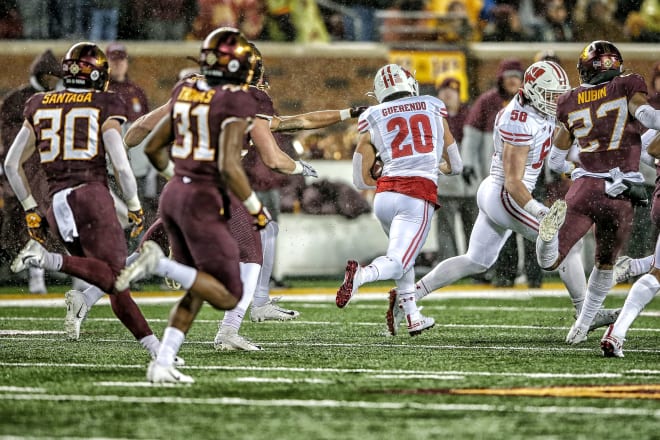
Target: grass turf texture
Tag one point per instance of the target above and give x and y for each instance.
(332, 374)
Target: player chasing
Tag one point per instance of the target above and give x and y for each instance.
(601, 116)
(410, 135)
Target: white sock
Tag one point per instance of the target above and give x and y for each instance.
(169, 346)
(51, 261)
(151, 344)
(249, 275)
(641, 293)
(268, 242)
(448, 272)
(571, 272)
(409, 304)
(182, 274)
(600, 282)
(92, 295)
(640, 266)
(547, 253)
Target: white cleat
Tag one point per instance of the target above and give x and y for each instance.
(159, 374)
(271, 311)
(415, 327)
(610, 345)
(552, 221)
(31, 255)
(144, 265)
(604, 317)
(576, 335)
(178, 361)
(76, 312)
(229, 339)
(622, 269)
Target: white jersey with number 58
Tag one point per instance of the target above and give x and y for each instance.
(408, 134)
(521, 126)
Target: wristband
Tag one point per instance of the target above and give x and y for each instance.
(29, 203)
(168, 172)
(298, 169)
(345, 114)
(252, 203)
(133, 204)
(534, 207)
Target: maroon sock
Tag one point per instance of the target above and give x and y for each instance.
(129, 314)
(92, 270)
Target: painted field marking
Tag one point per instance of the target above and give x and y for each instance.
(340, 404)
(10, 389)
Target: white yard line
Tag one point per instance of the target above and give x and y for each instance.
(296, 403)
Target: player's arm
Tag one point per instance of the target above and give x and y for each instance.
(651, 139)
(115, 148)
(514, 160)
(561, 146)
(142, 126)
(452, 163)
(639, 107)
(272, 155)
(230, 144)
(20, 150)
(317, 119)
(363, 159)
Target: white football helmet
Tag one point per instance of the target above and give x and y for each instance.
(543, 82)
(391, 79)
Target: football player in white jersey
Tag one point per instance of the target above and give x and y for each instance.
(410, 135)
(522, 140)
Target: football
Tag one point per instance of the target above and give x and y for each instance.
(377, 168)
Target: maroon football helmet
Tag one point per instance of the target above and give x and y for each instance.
(226, 57)
(259, 78)
(85, 66)
(598, 57)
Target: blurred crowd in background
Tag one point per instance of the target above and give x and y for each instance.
(453, 21)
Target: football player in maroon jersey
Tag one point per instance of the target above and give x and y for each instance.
(604, 116)
(72, 130)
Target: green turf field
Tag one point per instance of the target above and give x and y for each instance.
(494, 367)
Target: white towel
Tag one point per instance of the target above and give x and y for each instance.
(64, 216)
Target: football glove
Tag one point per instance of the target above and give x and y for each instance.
(37, 228)
(358, 110)
(308, 170)
(261, 218)
(136, 219)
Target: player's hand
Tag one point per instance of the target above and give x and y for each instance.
(37, 227)
(308, 170)
(469, 174)
(136, 219)
(261, 218)
(357, 111)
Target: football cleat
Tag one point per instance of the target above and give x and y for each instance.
(349, 288)
(394, 314)
(610, 345)
(31, 255)
(76, 312)
(604, 317)
(417, 326)
(552, 221)
(144, 265)
(178, 361)
(271, 311)
(229, 339)
(159, 374)
(622, 269)
(576, 335)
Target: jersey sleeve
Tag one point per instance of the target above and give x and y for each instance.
(265, 107)
(115, 107)
(518, 135)
(241, 104)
